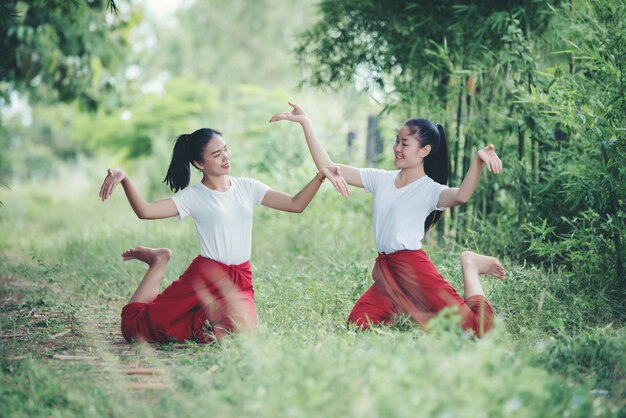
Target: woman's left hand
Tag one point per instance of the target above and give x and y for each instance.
(491, 159)
(334, 175)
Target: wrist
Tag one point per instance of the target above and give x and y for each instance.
(320, 176)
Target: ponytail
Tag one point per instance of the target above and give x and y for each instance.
(437, 162)
(437, 167)
(187, 149)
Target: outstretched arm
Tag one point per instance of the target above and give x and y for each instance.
(160, 209)
(319, 154)
(456, 196)
(282, 201)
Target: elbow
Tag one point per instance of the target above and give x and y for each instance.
(142, 215)
(298, 209)
(461, 200)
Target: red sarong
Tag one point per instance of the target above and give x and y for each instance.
(407, 282)
(208, 301)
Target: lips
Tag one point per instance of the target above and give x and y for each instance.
(226, 166)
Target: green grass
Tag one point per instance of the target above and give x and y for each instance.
(62, 286)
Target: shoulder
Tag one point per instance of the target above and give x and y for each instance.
(188, 191)
(376, 173)
(434, 187)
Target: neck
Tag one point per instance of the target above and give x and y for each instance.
(219, 183)
(410, 174)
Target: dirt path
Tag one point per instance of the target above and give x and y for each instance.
(45, 328)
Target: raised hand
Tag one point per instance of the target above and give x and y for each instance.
(491, 159)
(334, 175)
(296, 115)
(113, 178)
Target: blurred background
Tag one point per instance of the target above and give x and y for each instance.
(90, 84)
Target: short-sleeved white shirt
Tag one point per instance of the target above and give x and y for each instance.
(223, 219)
(399, 214)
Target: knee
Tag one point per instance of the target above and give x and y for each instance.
(466, 257)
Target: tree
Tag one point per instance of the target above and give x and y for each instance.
(59, 50)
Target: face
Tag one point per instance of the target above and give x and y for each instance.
(216, 157)
(408, 150)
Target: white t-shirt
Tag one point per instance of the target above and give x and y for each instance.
(223, 219)
(399, 214)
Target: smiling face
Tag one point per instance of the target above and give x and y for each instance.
(216, 157)
(408, 150)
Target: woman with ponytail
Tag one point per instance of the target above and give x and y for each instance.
(407, 202)
(214, 296)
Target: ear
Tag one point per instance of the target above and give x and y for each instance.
(199, 165)
(424, 151)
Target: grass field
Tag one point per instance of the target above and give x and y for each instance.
(63, 284)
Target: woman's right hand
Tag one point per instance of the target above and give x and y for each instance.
(296, 115)
(113, 178)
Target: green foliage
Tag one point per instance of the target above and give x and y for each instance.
(594, 354)
(303, 360)
(59, 50)
(398, 44)
(151, 117)
(543, 81)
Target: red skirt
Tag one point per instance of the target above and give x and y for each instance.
(208, 301)
(407, 282)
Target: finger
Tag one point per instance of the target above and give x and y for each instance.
(107, 186)
(344, 185)
(112, 187)
(107, 191)
(341, 187)
(491, 147)
(496, 169)
(100, 193)
(495, 164)
(278, 116)
(337, 186)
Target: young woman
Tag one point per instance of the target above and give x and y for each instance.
(407, 202)
(214, 296)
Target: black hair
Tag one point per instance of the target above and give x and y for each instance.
(437, 162)
(187, 149)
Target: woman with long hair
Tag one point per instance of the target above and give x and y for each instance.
(407, 202)
(214, 296)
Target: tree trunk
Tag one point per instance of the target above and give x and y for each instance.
(455, 153)
(374, 146)
(521, 194)
(464, 221)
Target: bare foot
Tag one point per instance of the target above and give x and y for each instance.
(148, 255)
(483, 264)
